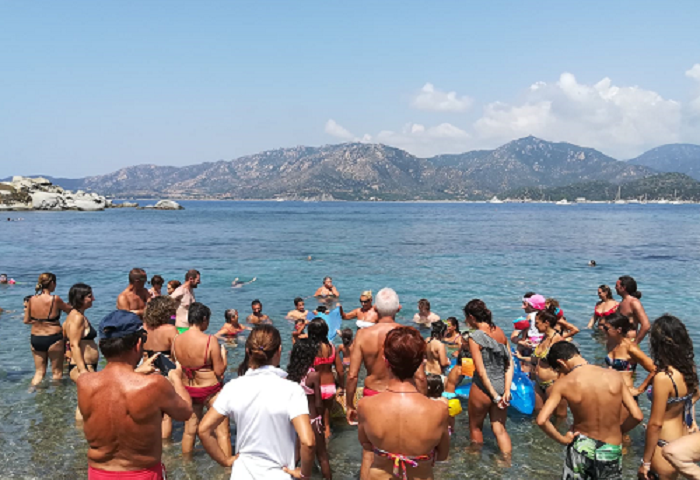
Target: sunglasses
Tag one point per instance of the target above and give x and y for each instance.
(606, 327)
(365, 301)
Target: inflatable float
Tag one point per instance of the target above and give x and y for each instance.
(522, 390)
(333, 319)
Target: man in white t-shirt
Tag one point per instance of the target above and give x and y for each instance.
(268, 411)
(184, 295)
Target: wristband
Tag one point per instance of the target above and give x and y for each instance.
(497, 399)
(646, 464)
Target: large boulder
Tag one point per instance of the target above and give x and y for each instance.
(48, 201)
(165, 205)
(85, 202)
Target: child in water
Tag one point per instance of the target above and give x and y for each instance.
(301, 371)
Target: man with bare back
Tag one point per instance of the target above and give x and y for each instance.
(135, 297)
(632, 308)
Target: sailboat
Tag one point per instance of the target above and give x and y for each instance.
(618, 200)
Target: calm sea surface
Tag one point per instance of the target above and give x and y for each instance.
(448, 253)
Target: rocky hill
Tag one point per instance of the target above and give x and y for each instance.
(357, 171)
(678, 157)
(665, 186)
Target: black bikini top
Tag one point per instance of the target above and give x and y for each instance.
(56, 319)
(92, 334)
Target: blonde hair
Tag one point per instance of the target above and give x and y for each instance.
(367, 294)
(45, 279)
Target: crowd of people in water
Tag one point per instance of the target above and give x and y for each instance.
(162, 366)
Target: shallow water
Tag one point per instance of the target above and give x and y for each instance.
(448, 253)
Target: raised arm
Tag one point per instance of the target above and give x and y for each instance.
(569, 329)
(350, 315)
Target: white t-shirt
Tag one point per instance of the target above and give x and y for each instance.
(263, 403)
(185, 297)
(534, 334)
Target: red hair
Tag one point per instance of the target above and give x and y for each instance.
(404, 350)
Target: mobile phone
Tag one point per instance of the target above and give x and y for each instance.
(164, 364)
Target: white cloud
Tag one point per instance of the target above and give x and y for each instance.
(694, 72)
(429, 98)
(335, 130)
(621, 121)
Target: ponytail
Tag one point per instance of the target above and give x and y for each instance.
(477, 309)
(261, 346)
(45, 279)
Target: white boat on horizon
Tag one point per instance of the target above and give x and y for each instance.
(495, 200)
(563, 202)
(618, 200)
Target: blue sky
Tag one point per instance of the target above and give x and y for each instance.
(90, 87)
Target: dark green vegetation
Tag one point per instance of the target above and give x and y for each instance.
(664, 186)
(356, 171)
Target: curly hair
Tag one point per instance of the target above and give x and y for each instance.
(159, 311)
(301, 359)
(671, 346)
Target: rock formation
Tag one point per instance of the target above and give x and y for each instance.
(24, 193)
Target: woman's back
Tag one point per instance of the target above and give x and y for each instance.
(434, 355)
(160, 339)
(194, 350)
(495, 356)
(390, 423)
(263, 404)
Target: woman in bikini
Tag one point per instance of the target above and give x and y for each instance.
(452, 337)
(81, 335)
(565, 329)
(545, 375)
(161, 333)
(435, 354)
(490, 392)
(301, 370)
(203, 367)
(326, 357)
(43, 313)
(673, 392)
(605, 307)
(624, 354)
(231, 328)
(402, 431)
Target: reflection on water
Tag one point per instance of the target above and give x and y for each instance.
(448, 253)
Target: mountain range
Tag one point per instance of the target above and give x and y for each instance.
(359, 171)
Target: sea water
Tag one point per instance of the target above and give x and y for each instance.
(448, 253)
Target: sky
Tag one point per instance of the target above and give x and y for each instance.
(89, 87)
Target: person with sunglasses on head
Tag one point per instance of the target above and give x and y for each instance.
(597, 398)
(366, 314)
(43, 313)
(122, 407)
(270, 412)
(203, 363)
(135, 297)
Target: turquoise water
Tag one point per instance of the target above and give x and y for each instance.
(448, 253)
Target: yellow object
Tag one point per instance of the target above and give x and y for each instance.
(468, 367)
(454, 406)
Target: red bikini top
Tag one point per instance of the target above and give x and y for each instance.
(326, 361)
(605, 314)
